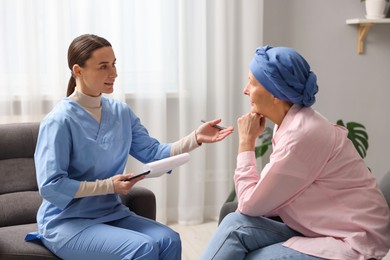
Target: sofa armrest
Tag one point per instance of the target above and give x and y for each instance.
(227, 207)
(142, 201)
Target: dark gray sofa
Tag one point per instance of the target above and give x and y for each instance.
(20, 199)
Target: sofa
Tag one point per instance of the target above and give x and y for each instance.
(20, 199)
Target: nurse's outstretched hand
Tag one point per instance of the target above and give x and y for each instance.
(121, 183)
(211, 132)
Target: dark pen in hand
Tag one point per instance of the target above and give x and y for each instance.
(215, 126)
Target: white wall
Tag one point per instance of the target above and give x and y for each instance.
(352, 87)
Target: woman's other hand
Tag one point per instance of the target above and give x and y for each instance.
(208, 133)
(121, 185)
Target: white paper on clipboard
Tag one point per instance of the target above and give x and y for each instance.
(163, 166)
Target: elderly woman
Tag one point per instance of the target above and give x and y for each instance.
(315, 181)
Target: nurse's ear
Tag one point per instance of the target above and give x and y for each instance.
(76, 69)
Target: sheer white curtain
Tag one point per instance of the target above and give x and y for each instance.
(179, 61)
(35, 35)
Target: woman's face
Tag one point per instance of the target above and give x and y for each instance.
(261, 100)
(99, 73)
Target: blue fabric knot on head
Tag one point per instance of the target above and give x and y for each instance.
(285, 74)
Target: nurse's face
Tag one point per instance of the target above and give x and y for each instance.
(261, 100)
(99, 73)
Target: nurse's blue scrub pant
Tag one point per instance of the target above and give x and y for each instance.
(133, 237)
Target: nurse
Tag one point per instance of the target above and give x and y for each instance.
(316, 182)
(81, 153)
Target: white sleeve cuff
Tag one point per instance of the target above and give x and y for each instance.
(185, 144)
(95, 188)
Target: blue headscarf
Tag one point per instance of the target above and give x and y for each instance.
(285, 74)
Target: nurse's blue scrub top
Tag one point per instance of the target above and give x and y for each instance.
(73, 147)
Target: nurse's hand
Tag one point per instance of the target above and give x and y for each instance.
(121, 185)
(209, 132)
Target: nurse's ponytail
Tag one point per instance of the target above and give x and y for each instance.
(71, 86)
(79, 51)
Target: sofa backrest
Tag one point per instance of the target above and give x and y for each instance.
(19, 197)
(385, 187)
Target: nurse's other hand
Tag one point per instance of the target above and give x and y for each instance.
(121, 185)
(207, 133)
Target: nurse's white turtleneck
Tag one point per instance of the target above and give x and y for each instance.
(93, 105)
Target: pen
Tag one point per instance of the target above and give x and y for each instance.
(215, 126)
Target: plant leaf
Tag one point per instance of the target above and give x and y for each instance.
(266, 142)
(361, 133)
(361, 140)
(340, 122)
(359, 137)
(353, 125)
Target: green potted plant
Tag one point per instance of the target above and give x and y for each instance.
(356, 133)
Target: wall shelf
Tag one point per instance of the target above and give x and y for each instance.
(363, 26)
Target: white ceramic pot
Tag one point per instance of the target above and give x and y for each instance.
(375, 9)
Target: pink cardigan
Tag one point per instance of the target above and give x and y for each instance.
(318, 184)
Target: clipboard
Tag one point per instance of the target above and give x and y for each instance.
(136, 176)
(157, 168)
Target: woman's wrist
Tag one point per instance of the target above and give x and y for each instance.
(247, 142)
(245, 146)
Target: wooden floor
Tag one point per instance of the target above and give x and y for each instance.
(194, 238)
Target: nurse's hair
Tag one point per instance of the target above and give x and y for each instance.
(79, 51)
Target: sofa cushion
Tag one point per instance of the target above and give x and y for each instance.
(18, 140)
(13, 246)
(19, 208)
(20, 175)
